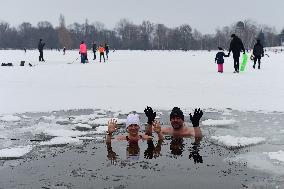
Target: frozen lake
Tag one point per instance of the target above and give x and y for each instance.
(56, 106)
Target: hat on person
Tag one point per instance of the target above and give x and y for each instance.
(132, 119)
(176, 112)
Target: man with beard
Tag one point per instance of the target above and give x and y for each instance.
(179, 128)
(178, 131)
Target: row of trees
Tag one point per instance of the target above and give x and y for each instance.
(127, 35)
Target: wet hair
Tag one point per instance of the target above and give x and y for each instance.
(176, 112)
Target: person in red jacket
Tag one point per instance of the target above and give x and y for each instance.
(102, 52)
(83, 52)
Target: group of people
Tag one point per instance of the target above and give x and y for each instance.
(236, 46)
(178, 130)
(103, 49)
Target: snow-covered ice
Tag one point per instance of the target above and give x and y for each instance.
(10, 118)
(279, 156)
(15, 152)
(211, 122)
(250, 105)
(126, 83)
(231, 141)
(61, 140)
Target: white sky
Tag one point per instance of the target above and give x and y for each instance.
(204, 15)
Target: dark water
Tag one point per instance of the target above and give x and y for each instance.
(175, 163)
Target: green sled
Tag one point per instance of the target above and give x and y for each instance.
(244, 62)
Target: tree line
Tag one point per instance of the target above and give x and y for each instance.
(127, 35)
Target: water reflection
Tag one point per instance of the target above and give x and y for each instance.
(178, 146)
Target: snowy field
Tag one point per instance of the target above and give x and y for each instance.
(55, 103)
(130, 80)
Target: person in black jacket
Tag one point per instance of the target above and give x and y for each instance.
(94, 48)
(220, 59)
(258, 52)
(107, 50)
(236, 46)
(40, 49)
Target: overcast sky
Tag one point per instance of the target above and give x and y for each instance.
(203, 15)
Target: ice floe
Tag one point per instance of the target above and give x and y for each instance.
(232, 142)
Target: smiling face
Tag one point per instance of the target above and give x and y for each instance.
(176, 122)
(133, 129)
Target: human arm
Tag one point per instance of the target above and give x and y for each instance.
(112, 127)
(151, 115)
(157, 129)
(226, 55)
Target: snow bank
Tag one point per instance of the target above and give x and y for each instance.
(56, 130)
(279, 156)
(10, 118)
(211, 122)
(233, 142)
(16, 152)
(101, 129)
(121, 83)
(83, 126)
(61, 140)
(104, 121)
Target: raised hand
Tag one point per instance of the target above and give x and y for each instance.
(151, 115)
(196, 117)
(112, 127)
(157, 126)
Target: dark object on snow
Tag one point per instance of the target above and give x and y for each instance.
(22, 63)
(258, 52)
(40, 49)
(30, 65)
(6, 64)
(236, 46)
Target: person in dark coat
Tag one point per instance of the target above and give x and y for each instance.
(258, 52)
(94, 48)
(219, 59)
(40, 49)
(107, 50)
(236, 46)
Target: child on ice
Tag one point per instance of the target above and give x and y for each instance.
(220, 59)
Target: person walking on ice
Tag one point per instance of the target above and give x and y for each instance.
(236, 46)
(40, 49)
(102, 52)
(219, 59)
(83, 52)
(107, 50)
(258, 52)
(94, 48)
